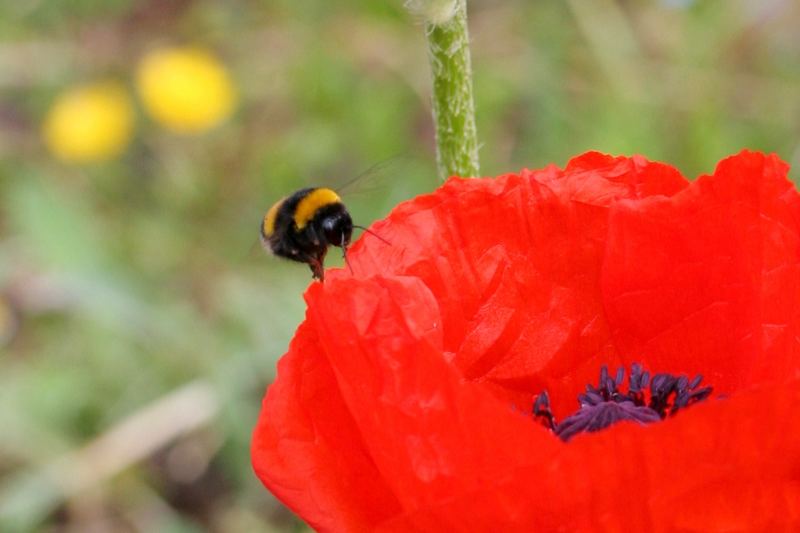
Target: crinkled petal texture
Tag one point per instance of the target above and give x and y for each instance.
(403, 403)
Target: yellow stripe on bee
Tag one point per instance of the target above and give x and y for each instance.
(269, 218)
(310, 204)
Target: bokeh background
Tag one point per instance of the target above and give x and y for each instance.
(142, 141)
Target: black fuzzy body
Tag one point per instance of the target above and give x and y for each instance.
(330, 224)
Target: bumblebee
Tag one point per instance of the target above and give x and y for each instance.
(303, 225)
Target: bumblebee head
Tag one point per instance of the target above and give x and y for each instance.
(338, 228)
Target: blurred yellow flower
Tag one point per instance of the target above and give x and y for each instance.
(89, 123)
(185, 89)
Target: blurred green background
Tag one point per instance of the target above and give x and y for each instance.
(138, 325)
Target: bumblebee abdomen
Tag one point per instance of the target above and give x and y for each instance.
(268, 223)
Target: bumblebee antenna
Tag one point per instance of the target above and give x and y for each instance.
(372, 233)
(344, 254)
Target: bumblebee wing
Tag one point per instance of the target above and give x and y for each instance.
(371, 178)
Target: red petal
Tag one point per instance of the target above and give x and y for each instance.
(430, 433)
(397, 440)
(308, 451)
(730, 465)
(708, 281)
(514, 264)
(381, 412)
(394, 406)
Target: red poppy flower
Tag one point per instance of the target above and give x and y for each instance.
(404, 402)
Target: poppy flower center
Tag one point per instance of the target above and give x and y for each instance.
(606, 404)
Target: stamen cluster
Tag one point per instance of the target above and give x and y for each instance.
(606, 404)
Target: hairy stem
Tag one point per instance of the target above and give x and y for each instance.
(453, 106)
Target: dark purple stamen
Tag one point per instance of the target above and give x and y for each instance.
(605, 404)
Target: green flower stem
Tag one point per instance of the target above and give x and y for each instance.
(453, 106)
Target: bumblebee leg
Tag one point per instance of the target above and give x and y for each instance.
(317, 264)
(317, 271)
(344, 254)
